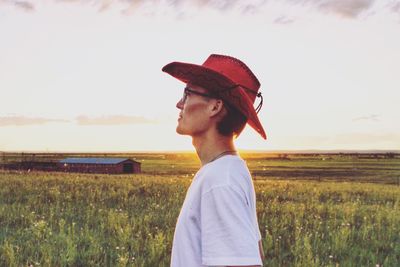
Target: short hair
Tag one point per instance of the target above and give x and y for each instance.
(232, 123)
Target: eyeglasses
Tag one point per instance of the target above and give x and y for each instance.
(188, 91)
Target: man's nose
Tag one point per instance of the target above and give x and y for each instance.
(179, 105)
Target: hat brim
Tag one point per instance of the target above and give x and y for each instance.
(215, 81)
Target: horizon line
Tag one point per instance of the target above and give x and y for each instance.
(193, 151)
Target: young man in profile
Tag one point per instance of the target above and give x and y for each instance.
(217, 225)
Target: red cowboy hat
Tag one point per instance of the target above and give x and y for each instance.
(228, 78)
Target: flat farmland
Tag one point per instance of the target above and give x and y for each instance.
(313, 210)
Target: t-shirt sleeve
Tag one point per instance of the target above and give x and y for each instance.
(228, 234)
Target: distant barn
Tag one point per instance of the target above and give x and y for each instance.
(99, 165)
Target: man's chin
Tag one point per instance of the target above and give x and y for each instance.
(180, 131)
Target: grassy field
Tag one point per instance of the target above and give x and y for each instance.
(312, 211)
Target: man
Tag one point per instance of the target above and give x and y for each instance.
(217, 225)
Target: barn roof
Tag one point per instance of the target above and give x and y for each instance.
(94, 160)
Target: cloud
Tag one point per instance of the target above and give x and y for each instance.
(23, 5)
(105, 5)
(23, 121)
(249, 10)
(224, 4)
(372, 117)
(283, 20)
(27, 6)
(346, 8)
(113, 120)
(395, 6)
(16, 120)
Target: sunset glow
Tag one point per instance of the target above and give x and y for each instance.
(87, 77)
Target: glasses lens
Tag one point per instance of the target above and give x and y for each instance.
(184, 96)
(188, 91)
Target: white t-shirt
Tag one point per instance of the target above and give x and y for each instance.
(217, 225)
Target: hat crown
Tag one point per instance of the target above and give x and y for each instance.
(236, 71)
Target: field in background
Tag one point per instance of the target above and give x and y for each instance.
(313, 210)
(375, 168)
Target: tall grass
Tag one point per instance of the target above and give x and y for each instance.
(56, 219)
(329, 224)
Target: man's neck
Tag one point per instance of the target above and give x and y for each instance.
(209, 147)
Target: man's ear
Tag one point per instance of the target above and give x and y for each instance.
(216, 107)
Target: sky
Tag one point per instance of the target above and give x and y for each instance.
(86, 75)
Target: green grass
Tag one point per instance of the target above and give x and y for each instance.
(61, 219)
(81, 220)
